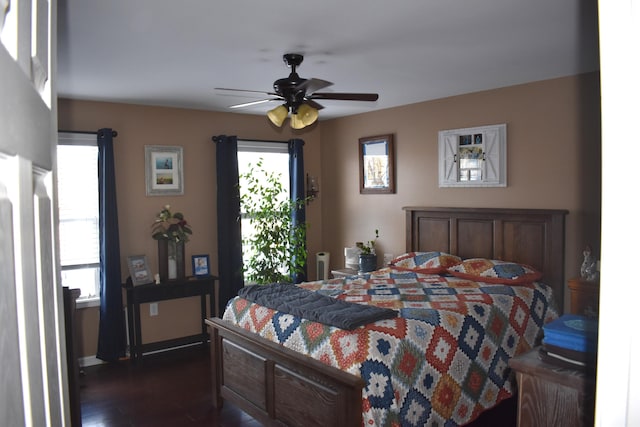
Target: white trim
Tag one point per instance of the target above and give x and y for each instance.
(94, 361)
(263, 146)
(77, 138)
(162, 350)
(88, 302)
(89, 361)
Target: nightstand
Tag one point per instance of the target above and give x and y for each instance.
(584, 297)
(344, 272)
(552, 396)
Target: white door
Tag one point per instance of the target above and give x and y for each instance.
(618, 377)
(33, 376)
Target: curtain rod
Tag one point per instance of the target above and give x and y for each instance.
(213, 138)
(113, 132)
(262, 140)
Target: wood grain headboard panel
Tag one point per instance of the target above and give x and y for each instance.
(529, 236)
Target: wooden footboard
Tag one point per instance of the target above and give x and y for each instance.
(278, 386)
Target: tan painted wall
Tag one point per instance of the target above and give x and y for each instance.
(138, 126)
(553, 156)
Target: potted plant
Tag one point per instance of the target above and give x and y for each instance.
(367, 260)
(276, 250)
(172, 232)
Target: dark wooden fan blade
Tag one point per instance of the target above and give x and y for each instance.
(345, 96)
(261, 101)
(246, 90)
(312, 85)
(313, 104)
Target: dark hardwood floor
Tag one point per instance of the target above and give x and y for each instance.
(166, 389)
(173, 388)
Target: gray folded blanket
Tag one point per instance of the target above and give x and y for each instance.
(313, 306)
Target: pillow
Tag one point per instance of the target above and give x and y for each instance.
(425, 262)
(494, 271)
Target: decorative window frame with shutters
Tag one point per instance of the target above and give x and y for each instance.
(473, 157)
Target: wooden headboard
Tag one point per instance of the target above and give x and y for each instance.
(529, 236)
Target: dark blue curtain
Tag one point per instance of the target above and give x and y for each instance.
(297, 185)
(112, 341)
(229, 231)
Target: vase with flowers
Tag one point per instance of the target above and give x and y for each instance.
(367, 260)
(172, 231)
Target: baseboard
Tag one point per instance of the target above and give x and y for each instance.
(89, 361)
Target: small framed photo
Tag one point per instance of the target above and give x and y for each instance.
(139, 270)
(377, 164)
(200, 265)
(163, 170)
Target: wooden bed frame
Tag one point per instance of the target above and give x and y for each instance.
(278, 386)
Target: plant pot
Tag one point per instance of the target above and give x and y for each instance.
(367, 263)
(170, 260)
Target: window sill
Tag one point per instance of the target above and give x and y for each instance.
(88, 302)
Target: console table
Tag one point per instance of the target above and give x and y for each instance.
(172, 289)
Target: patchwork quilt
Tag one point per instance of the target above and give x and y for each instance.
(442, 362)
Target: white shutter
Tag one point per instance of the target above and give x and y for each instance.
(448, 147)
(491, 157)
(495, 154)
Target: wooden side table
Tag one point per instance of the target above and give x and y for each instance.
(585, 295)
(549, 395)
(172, 289)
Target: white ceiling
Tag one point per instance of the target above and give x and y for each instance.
(171, 53)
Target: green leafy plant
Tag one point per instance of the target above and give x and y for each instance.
(276, 249)
(368, 247)
(168, 226)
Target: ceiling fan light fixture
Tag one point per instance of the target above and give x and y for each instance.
(278, 115)
(307, 114)
(298, 94)
(296, 122)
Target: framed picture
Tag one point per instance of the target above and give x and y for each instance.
(473, 157)
(139, 270)
(163, 170)
(377, 174)
(200, 265)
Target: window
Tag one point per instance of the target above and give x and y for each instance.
(275, 158)
(78, 213)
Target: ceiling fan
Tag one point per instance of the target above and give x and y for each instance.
(299, 96)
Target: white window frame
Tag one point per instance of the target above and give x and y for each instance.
(82, 139)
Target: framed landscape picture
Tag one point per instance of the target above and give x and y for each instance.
(163, 170)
